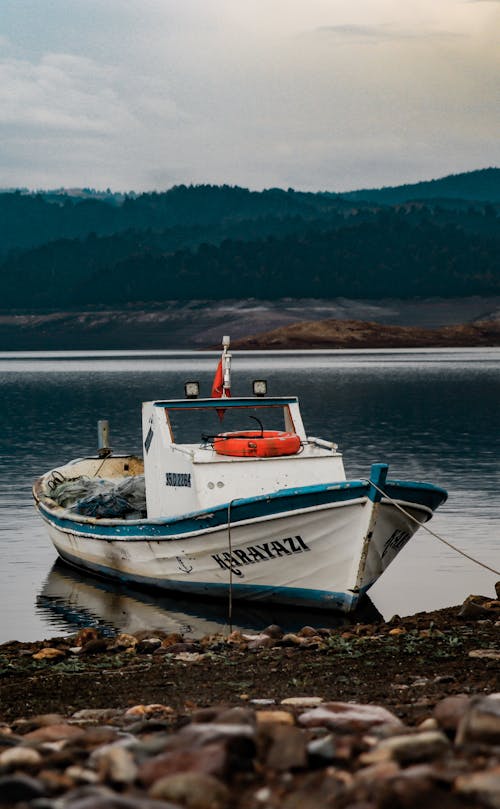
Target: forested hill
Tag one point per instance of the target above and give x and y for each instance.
(60, 250)
(473, 185)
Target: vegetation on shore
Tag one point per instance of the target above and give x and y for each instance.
(59, 251)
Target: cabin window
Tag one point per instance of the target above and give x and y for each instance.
(189, 426)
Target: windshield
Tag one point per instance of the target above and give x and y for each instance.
(200, 425)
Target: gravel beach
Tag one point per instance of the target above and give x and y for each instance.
(368, 716)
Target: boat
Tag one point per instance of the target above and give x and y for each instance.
(238, 502)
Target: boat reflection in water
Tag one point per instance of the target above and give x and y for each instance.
(70, 600)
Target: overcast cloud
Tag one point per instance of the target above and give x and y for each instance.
(142, 94)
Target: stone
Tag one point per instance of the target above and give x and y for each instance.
(94, 647)
(81, 775)
(350, 717)
(449, 712)
(102, 798)
(212, 759)
(55, 733)
(117, 765)
(428, 724)
(154, 709)
(274, 631)
(148, 645)
(485, 654)
(286, 747)
(237, 716)
(292, 639)
(171, 639)
(192, 790)
(261, 642)
(474, 608)
(481, 721)
(86, 635)
(262, 795)
(481, 786)
(263, 702)
(95, 714)
(49, 653)
(190, 657)
(302, 702)
(275, 717)
(123, 641)
(20, 787)
(410, 747)
(39, 721)
(415, 790)
(204, 733)
(55, 782)
(316, 791)
(18, 757)
(322, 750)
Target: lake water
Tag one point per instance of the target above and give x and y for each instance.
(433, 415)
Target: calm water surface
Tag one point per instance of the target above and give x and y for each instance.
(432, 415)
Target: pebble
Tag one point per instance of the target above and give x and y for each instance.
(117, 765)
(481, 721)
(286, 747)
(54, 733)
(346, 716)
(212, 759)
(275, 717)
(154, 709)
(291, 752)
(16, 757)
(406, 748)
(485, 654)
(302, 702)
(193, 790)
(20, 787)
(49, 654)
(449, 712)
(482, 786)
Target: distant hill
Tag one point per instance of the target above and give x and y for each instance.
(481, 185)
(67, 249)
(361, 334)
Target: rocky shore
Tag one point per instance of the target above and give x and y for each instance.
(350, 334)
(394, 715)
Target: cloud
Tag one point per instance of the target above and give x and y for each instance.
(382, 33)
(146, 93)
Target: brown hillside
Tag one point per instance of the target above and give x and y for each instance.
(360, 334)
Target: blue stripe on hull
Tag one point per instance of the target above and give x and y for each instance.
(319, 599)
(274, 504)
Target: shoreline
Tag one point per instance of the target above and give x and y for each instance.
(429, 643)
(302, 720)
(306, 323)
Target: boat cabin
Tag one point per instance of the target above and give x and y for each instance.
(201, 453)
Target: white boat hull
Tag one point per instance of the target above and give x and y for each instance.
(322, 556)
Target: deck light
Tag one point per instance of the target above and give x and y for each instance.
(192, 390)
(259, 387)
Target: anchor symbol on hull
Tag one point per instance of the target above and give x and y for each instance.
(183, 566)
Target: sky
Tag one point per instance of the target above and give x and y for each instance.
(310, 94)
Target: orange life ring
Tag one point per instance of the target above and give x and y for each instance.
(257, 444)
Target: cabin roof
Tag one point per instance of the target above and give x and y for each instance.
(256, 401)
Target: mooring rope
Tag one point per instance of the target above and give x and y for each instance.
(230, 603)
(432, 533)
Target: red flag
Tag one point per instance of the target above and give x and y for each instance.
(217, 384)
(218, 389)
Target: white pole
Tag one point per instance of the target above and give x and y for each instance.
(226, 368)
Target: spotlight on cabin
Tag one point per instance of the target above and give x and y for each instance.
(192, 390)
(259, 387)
